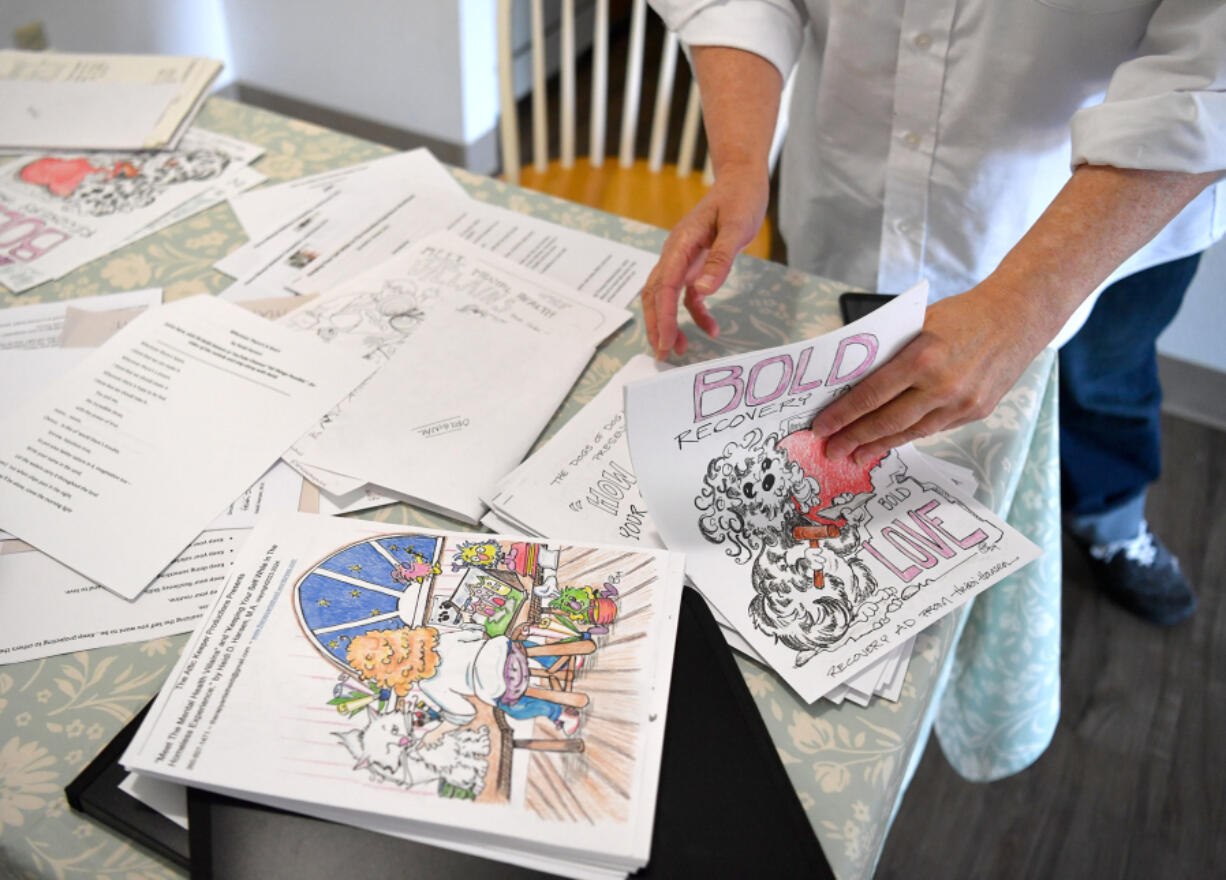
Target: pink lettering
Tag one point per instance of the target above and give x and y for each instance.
(799, 386)
(731, 379)
(906, 575)
(868, 342)
(751, 396)
(928, 523)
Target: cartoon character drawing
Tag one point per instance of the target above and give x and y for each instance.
(451, 667)
(585, 609)
(105, 184)
(416, 571)
(809, 584)
(388, 748)
(477, 554)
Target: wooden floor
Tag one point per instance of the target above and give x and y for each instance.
(1134, 783)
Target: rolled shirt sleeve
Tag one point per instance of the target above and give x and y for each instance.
(773, 29)
(1165, 109)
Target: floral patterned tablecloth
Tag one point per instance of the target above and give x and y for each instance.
(986, 679)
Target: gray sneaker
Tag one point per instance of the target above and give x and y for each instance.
(1143, 576)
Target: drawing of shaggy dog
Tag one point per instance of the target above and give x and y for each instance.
(387, 748)
(752, 497)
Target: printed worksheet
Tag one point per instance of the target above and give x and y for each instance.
(462, 689)
(598, 267)
(822, 566)
(62, 210)
(119, 464)
(323, 225)
(47, 609)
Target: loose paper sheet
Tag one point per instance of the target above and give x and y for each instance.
(118, 465)
(42, 324)
(384, 309)
(822, 566)
(272, 700)
(47, 609)
(580, 484)
(326, 224)
(453, 412)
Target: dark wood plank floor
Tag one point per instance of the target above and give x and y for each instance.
(1134, 783)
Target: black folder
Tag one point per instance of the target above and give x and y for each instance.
(725, 807)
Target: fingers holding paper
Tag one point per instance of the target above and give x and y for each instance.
(969, 353)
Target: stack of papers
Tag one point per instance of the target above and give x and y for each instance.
(474, 357)
(67, 611)
(489, 695)
(822, 567)
(66, 209)
(581, 484)
(67, 101)
(118, 465)
(313, 234)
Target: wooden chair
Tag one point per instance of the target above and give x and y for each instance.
(641, 188)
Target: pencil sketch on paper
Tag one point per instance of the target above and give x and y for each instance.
(832, 555)
(471, 669)
(380, 320)
(117, 183)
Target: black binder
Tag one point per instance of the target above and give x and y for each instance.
(725, 807)
(96, 793)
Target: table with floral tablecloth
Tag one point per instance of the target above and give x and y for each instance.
(985, 679)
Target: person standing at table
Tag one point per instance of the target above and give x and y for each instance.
(934, 139)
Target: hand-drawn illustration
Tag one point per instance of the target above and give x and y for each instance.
(116, 183)
(452, 674)
(379, 320)
(820, 575)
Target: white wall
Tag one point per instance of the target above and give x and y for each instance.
(397, 62)
(1198, 333)
(478, 27)
(181, 27)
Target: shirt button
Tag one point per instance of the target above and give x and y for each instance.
(923, 41)
(911, 139)
(906, 227)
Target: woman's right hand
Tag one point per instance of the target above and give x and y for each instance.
(698, 255)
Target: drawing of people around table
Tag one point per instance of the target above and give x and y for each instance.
(820, 575)
(461, 678)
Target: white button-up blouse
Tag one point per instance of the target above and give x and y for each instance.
(926, 136)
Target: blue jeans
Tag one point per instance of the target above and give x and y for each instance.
(1109, 403)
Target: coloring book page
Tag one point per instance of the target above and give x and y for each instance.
(473, 691)
(58, 211)
(823, 566)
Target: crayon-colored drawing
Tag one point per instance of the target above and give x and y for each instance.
(801, 519)
(105, 184)
(483, 679)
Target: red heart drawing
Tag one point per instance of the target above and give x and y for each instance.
(60, 176)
